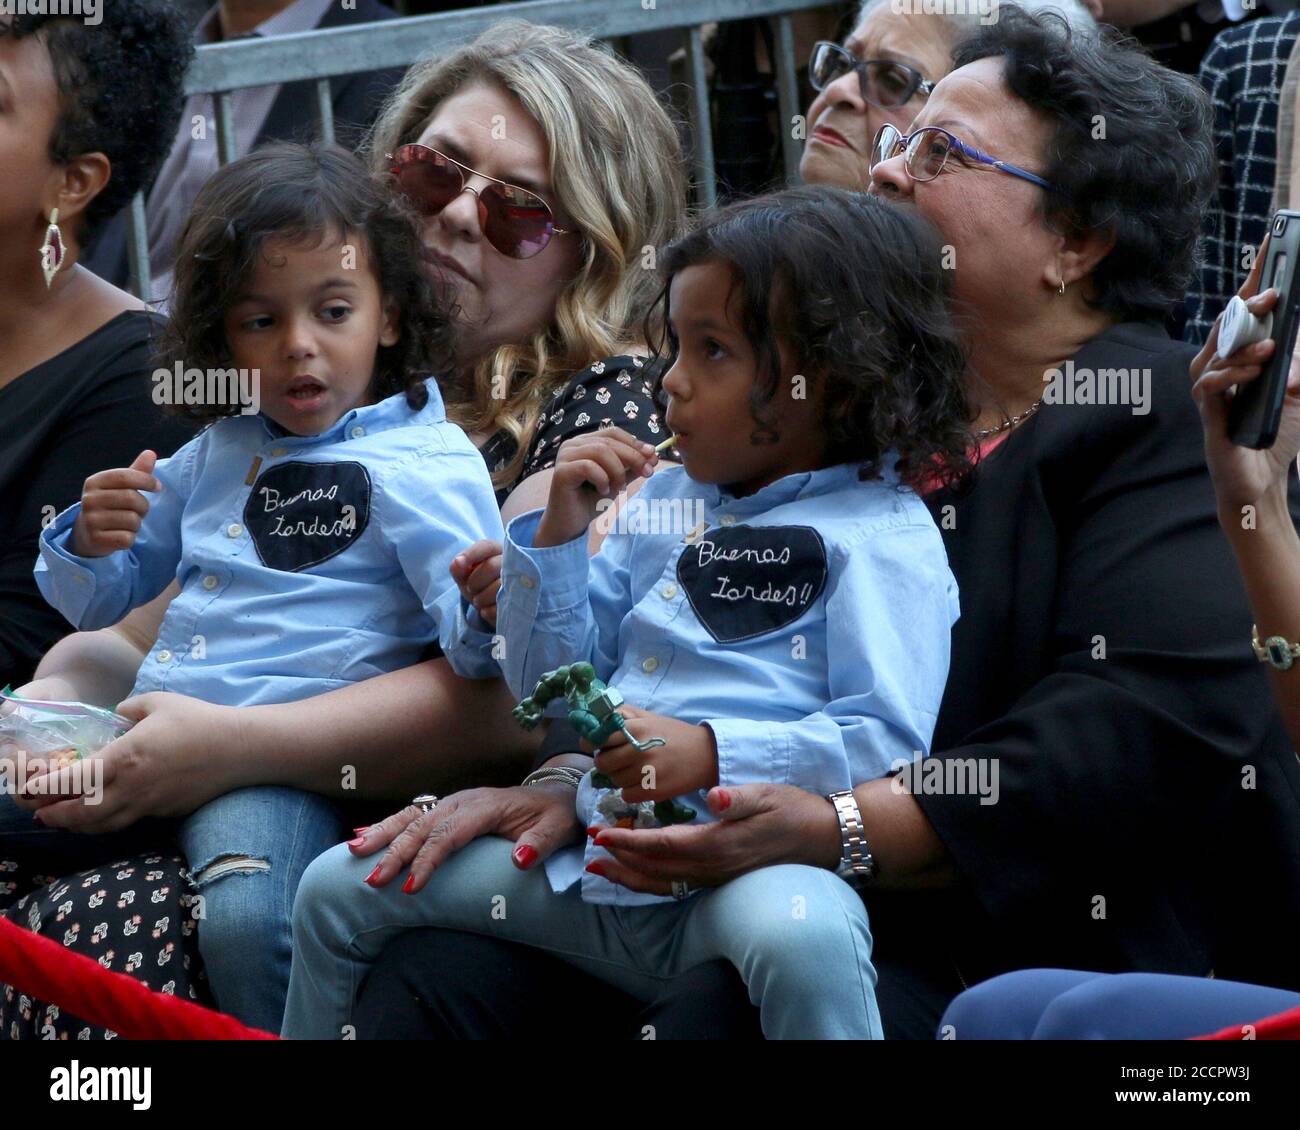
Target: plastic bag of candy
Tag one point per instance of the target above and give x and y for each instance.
(60, 731)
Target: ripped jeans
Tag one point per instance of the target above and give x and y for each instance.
(247, 851)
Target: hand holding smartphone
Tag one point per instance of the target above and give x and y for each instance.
(1255, 413)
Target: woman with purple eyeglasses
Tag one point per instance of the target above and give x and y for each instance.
(1111, 787)
(882, 75)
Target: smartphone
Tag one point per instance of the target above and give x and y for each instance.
(1256, 411)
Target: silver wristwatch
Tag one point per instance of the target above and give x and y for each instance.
(857, 864)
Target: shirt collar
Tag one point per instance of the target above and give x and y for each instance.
(393, 412)
(804, 484)
(302, 15)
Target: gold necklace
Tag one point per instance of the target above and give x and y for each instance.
(984, 433)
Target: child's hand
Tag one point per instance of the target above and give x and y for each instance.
(587, 469)
(112, 509)
(687, 762)
(477, 573)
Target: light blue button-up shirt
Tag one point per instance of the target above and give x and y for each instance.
(808, 625)
(305, 563)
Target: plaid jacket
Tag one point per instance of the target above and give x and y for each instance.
(1243, 73)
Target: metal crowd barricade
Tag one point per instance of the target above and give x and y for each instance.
(220, 68)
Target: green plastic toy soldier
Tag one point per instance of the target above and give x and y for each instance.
(593, 712)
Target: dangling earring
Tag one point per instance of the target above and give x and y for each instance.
(52, 250)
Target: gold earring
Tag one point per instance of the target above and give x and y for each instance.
(52, 250)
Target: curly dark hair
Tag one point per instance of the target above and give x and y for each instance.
(1148, 176)
(121, 87)
(299, 192)
(856, 290)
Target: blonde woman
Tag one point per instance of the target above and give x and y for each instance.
(547, 174)
(565, 169)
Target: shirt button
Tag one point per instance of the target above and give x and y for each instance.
(234, 530)
(668, 592)
(358, 432)
(727, 520)
(210, 582)
(650, 665)
(164, 656)
(527, 582)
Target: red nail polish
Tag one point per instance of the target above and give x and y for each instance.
(525, 855)
(595, 830)
(409, 885)
(360, 831)
(597, 868)
(357, 842)
(374, 874)
(724, 799)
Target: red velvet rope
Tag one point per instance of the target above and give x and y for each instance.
(47, 971)
(1283, 1026)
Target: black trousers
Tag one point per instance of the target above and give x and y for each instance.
(436, 984)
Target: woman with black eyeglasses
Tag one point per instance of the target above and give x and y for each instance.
(882, 74)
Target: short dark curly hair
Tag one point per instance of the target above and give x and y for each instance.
(299, 193)
(857, 290)
(1131, 150)
(121, 87)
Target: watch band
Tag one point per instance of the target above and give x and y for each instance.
(1277, 651)
(857, 864)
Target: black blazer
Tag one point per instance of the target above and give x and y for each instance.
(292, 117)
(1148, 815)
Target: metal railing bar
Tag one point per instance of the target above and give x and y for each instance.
(701, 120)
(787, 95)
(325, 109)
(398, 43)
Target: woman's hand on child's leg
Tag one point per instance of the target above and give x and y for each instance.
(540, 819)
(589, 468)
(688, 760)
(477, 573)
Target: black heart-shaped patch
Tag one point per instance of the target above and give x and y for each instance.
(301, 514)
(746, 581)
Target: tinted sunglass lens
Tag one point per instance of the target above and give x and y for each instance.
(888, 85)
(827, 65)
(515, 222)
(428, 181)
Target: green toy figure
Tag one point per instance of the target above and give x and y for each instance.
(593, 712)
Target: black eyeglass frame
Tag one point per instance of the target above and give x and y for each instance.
(917, 83)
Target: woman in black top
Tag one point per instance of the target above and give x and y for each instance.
(1116, 789)
(74, 352)
(584, 133)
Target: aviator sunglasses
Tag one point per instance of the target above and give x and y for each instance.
(518, 223)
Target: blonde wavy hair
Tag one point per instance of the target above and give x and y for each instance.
(618, 171)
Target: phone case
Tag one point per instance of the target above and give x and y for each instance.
(1256, 411)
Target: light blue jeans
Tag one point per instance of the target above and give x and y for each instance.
(798, 935)
(246, 850)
